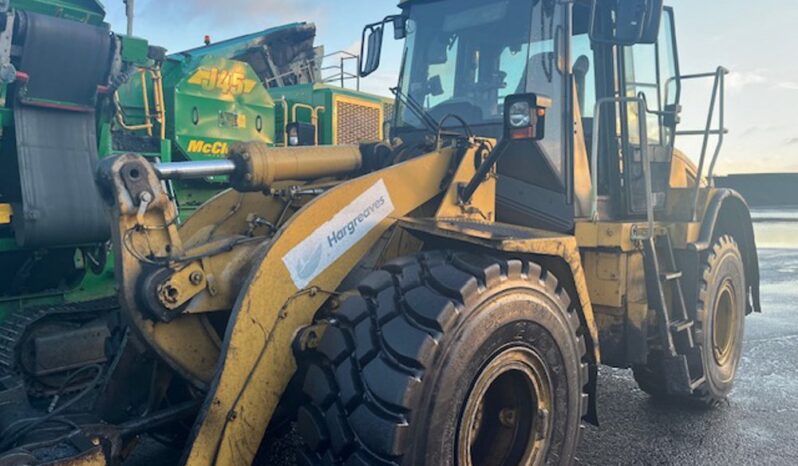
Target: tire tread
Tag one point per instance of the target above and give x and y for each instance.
(373, 356)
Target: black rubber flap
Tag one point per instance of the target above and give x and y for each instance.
(65, 60)
(57, 153)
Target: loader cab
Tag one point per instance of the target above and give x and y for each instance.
(465, 58)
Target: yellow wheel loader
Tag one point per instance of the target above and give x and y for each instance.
(446, 297)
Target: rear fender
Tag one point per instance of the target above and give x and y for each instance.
(728, 214)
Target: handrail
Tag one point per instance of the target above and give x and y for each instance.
(284, 101)
(314, 118)
(292, 110)
(342, 75)
(643, 129)
(158, 104)
(718, 100)
(306, 66)
(316, 64)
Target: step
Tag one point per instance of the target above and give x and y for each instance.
(671, 276)
(681, 326)
(697, 383)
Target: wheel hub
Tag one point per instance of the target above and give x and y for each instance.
(725, 323)
(506, 419)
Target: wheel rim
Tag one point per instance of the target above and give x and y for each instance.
(725, 322)
(507, 418)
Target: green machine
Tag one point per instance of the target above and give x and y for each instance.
(190, 108)
(65, 104)
(337, 115)
(259, 87)
(54, 96)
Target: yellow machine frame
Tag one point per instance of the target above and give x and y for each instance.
(255, 359)
(236, 264)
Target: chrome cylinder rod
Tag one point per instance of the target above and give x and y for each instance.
(194, 170)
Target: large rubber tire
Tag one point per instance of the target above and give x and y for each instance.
(397, 366)
(720, 325)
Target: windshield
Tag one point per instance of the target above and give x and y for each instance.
(464, 57)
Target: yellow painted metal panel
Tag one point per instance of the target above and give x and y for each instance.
(619, 235)
(605, 235)
(482, 206)
(606, 278)
(6, 212)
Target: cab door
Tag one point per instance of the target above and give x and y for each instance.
(650, 71)
(534, 187)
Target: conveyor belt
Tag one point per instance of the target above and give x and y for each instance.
(57, 147)
(57, 152)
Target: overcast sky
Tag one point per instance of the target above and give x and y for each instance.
(755, 39)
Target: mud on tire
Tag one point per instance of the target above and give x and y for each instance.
(397, 367)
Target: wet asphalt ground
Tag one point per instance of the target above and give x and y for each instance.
(758, 425)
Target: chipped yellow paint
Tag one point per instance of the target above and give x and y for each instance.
(180, 343)
(257, 360)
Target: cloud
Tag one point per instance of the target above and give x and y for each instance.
(354, 48)
(181, 24)
(753, 130)
(739, 80)
(265, 11)
(379, 83)
(791, 142)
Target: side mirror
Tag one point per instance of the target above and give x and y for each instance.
(371, 42)
(371, 48)
(626, 22)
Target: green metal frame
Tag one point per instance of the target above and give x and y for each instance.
(317, 95)
(84, 11)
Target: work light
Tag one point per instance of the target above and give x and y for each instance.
(519, 115)
(525, 116)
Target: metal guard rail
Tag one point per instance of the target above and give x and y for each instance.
(341, 75)
(718, 100)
